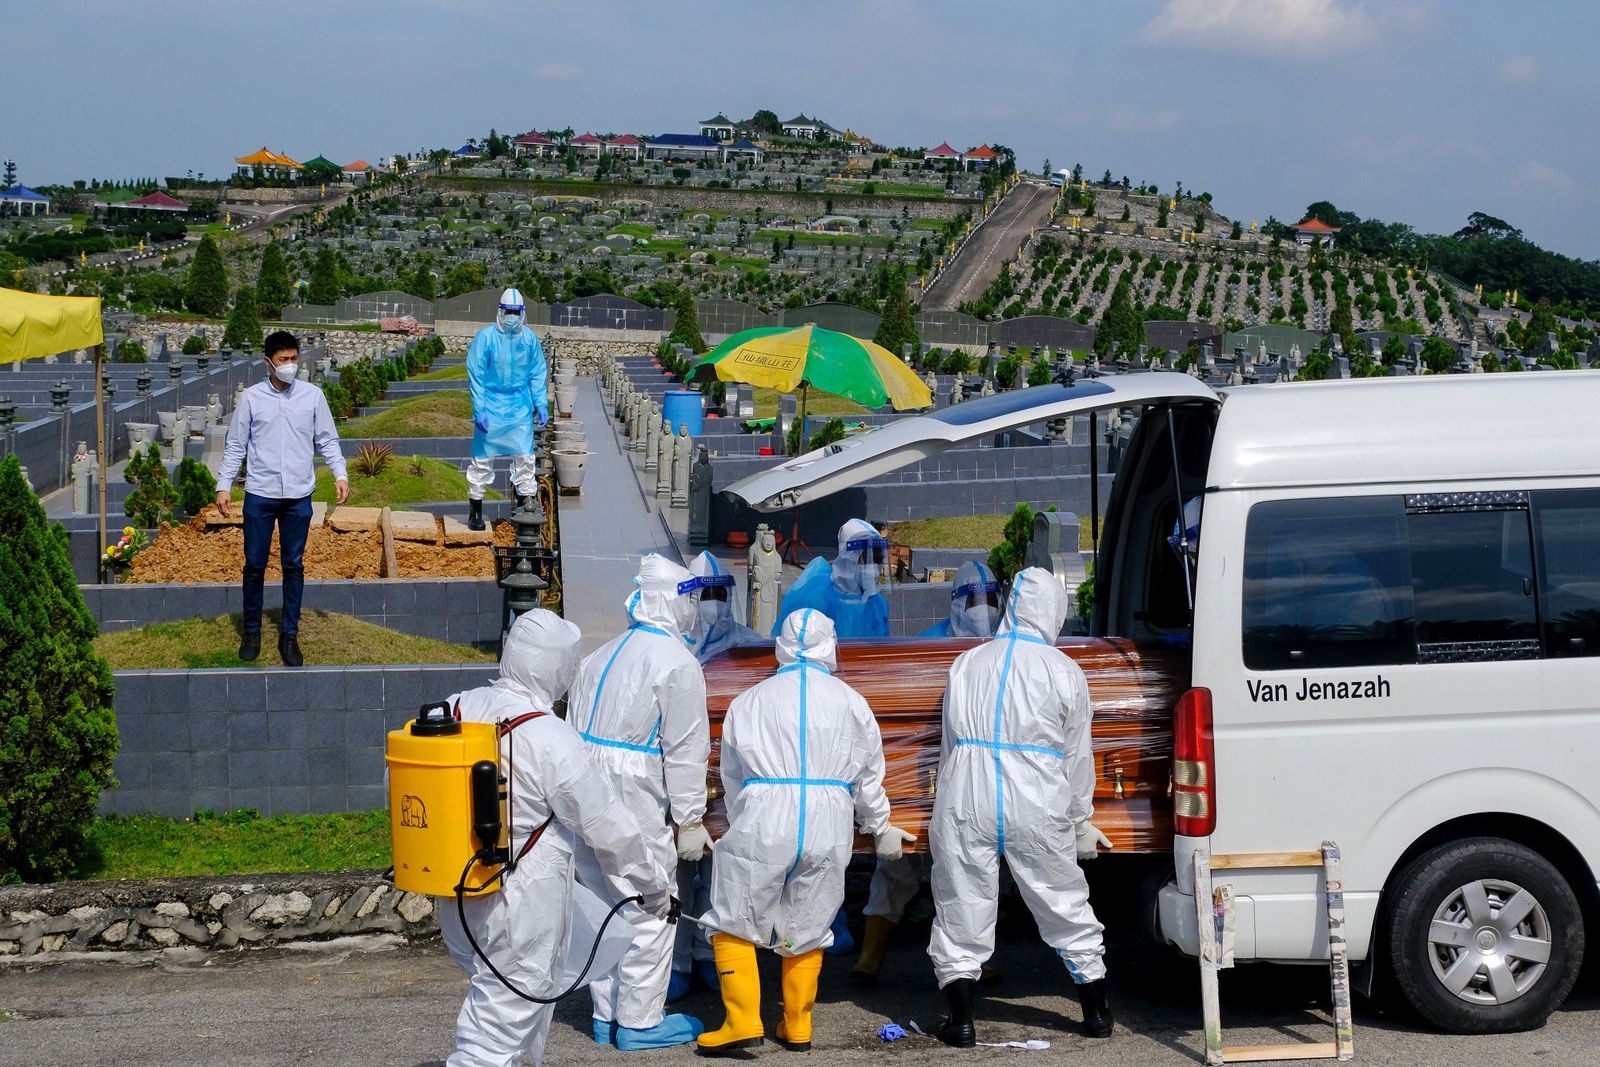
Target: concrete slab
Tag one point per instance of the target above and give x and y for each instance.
(416, 526)
(354, 520)
(456, 533)
(234, 517)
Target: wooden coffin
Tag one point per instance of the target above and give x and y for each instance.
(1133, 690)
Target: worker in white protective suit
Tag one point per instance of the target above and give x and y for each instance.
(714, 630)
(1016, 779)
(507, 378)
(802, 766)
(846, 590)
(640, 704)
(523, 928)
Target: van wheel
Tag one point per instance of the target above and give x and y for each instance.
(1485, 936)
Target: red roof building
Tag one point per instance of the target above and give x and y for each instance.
(1313, 230)
(941, 155)
(534, 143)
(627, 144)
(157, 201)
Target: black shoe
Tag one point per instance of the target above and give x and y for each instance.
(957, 1030)
(475, 515)
(250, 646)
(289, 650)
(1096, 1014)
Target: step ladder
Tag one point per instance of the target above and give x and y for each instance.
(1213, 911)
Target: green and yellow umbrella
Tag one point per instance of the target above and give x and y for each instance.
(790, 358)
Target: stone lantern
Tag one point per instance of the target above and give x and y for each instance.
(60, 394)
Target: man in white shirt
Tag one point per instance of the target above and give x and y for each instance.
(276, 426)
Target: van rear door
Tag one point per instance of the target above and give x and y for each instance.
(877, 452)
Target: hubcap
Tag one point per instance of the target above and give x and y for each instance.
(1489, 942)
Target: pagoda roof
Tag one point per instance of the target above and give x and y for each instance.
(719, 120)
(743, 144)
(534, 137)
(157, 199)
(983, 152)
(625, 139)
(586, 139)
(22, 192)
(944, 149)
(263, 157)
(322, 161)
(1316, 226)
(801, 120)
(359, 164)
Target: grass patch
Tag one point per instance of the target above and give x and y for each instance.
(327, 640)
(443, 414)
(902, 189)
(439, 481)
(239, 842)
(632, 229)
(212, 229)
(809, 237)
(817, 403)
(964, 531)
(455, 373)
(928, 224)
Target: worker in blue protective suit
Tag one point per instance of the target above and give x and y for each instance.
(507, 377)
(1016, 780)
(714, 630)
(802, 767)
(974, 604)
(639, 702)
(847, 589)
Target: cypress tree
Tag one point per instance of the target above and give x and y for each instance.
(58, 732)
(207, 290)
(244, 321)
(686, 330)
(1121, 323)
(272, 286)
(324, 279)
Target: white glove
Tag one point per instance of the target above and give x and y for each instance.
(1089, 841)
(693, 841)
(890, 843)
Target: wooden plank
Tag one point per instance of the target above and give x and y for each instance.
(1320, 1050)
(391, 567)
(1238, 861)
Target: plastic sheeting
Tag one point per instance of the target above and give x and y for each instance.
(1133, 690)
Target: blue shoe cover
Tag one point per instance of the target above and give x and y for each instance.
(605, 1032)
(706, 971)
(672, 1030)
(678, 986)
(843, 942)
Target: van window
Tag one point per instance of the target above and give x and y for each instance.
(1327, 583)
(1568, 526)
(1472, 577)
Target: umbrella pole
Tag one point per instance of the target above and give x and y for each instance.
(100, 439)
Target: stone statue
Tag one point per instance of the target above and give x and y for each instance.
(958, 389)
(652, 442)
(932, 381)
(663, 460)
(213, 410)
(988, 387)
(1261, 352)
(700, 497)
(682, 457)
(766, 574)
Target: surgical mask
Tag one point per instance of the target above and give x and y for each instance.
(980, 619)
(511, 322)
(286, 372)
(710, 614)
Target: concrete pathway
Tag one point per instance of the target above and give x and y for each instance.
(607, 529)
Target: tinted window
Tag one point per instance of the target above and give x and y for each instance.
(1327, 584)
(1472, 585)
(1568, 525)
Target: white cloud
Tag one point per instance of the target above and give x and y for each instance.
(558, 72)
(1542, 176)
(1318, 24)
(1519, 70)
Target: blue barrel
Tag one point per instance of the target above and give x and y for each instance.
(684, 408)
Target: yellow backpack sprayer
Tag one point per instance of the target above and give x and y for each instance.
(450, 813)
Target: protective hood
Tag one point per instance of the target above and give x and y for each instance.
(714, 617)
(657, 602)
(541, 657)
(852, 578)
(807, 636)
(1036, 605)
(974, 609)
(512, 312)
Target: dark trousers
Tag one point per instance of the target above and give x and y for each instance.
(293, 519)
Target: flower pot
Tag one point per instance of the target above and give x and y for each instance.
(566, 396)
(570, 463)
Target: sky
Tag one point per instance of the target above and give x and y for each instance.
(1419, 111)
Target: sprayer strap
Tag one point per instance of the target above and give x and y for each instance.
(505, 726)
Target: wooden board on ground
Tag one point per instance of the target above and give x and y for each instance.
(417, 526)
(457, 534)
(354, 520)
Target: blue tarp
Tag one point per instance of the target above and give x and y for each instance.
(22, 192)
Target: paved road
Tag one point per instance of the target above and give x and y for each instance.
(373, 1001)
(1027, 206)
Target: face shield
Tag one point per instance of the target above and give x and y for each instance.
(868, 550)
(510, 317)
(975, 608)
(712, 595)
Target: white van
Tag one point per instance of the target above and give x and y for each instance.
(1393, 618)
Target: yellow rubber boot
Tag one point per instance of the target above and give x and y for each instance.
(800, 974)
(741, 997)
(874, 946)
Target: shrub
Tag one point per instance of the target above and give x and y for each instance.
(417, 468)
(1005, 559)
(197, 487)
(151, 502)
(372, 460)
(338, 398)
(58, 733)
(131, 352)
(194, 345)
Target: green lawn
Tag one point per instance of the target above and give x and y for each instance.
(964, 531)
(239, 842)
(927, 224)
(443, 414)
(434, 481)
(455, 373)
(906, 189)
(633, 229)
(818, 238)
(327, 640)
(213, 229)
(751, 265)
(817, 403)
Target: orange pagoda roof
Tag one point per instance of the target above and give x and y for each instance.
(1315, 226)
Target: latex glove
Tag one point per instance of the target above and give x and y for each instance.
(657, 902)
(1090, 840)
(480, 423)
(541, 411)
(890, 843)
(693, 841)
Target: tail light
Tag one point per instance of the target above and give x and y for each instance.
(1194, 780)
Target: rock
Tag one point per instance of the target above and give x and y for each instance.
(414, 907)
(212, 927)
(85, 913)
(164, 938)
(277, 910)
(193, 931)
(173, 910)
(354, 520)
(219, 901)
(53, 943)
(332, 909)
(456, 534)
(319, 513)
(9, 948)
(417, 526)
(370, 905)
(115, 933)
(214, 518)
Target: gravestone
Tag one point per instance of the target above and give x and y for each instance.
(1054, 546)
